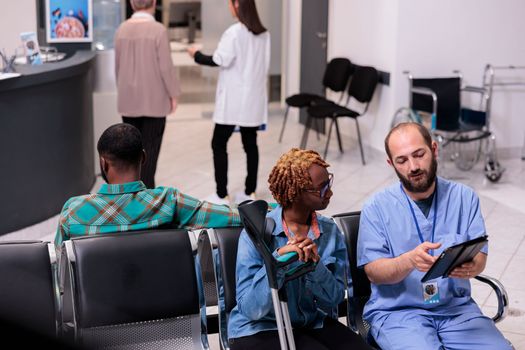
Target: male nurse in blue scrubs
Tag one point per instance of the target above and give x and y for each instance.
(402, 231)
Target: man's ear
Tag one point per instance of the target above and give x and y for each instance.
(144, 155)
(104, 165)
(389, 161)
(434, 148)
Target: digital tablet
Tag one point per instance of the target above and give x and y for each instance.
(454, 256)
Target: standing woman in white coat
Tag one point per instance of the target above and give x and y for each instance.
(243, 57)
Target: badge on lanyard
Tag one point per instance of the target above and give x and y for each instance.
(430, 293)
(430, 289)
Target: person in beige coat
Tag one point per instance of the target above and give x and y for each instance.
(147, 84)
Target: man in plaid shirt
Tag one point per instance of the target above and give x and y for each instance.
(125, 204)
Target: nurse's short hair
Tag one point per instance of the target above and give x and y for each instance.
(141, 4)
(423, 131)
(290, 176)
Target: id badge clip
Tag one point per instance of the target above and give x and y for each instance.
(430, 292)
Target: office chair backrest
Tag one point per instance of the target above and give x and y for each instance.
(136, 288)
(363, 84)
(227, 241)
(28, 286)
(448, 91)
(349, 224)
(337, 73)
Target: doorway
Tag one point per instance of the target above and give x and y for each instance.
(314, 38)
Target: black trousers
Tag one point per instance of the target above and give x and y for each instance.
(334, 336)
(152, 130)
(221, 135)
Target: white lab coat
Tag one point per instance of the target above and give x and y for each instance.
(244, 59)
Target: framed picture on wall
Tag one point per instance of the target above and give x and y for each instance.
(69, 21)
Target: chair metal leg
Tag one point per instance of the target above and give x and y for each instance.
(338, 135)
(317, 128)
(328, 138)
(284, 123)
(360, 143)
(306, 131)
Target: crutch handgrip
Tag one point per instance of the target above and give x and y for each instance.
(300, 270)
(287, 258)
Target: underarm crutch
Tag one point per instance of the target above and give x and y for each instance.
(259, 228)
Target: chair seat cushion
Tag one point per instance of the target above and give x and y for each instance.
(331, 110)
(303, 100)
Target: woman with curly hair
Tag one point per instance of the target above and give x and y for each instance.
(301, 185)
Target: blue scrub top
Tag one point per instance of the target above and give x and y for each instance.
(311, 297)
(387, 230)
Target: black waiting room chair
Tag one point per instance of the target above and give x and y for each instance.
(136, 290)
(224, 242)
(359, 291)
(208, 280)
(29, 296)
(335, 78)
(361, 88)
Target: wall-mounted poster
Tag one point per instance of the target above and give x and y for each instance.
(69, 21)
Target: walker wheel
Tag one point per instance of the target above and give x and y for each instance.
(493, 171)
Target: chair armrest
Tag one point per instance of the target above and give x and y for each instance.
(482, 93)
(501, 294)
(427, 92)
(356, 322)
(423, 91)
(477, 89)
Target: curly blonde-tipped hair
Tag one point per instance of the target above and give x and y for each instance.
(290, 175)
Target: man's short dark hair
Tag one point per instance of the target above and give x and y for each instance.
(423, 131)
(121, 144)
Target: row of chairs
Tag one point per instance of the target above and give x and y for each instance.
(134, 290)
(224, 251)
(144, 289)
(340, 74)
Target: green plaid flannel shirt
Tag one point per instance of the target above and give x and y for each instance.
(131, 206)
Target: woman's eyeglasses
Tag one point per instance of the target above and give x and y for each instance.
(326, 186)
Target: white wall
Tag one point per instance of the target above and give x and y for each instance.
(365, 32)
(19, 16)
(270, 12)
(291, 51)
(430, 37)
(473, 33)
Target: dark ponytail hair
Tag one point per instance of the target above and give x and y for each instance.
(247, 14)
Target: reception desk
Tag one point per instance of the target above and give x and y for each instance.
(46, 139)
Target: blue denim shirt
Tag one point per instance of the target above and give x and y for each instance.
(310, 298)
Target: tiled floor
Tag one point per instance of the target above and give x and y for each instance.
(186, 163)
